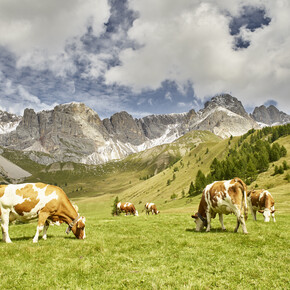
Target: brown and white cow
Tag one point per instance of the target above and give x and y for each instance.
(262, 201)
(222, 197)
(38, 200)
(127, 207)
(151, 207)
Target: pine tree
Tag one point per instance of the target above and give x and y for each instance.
(115, 210)
(200, 182)
(191, 189)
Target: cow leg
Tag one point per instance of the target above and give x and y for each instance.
(240, 220)
(42, 217)
(45, 228)
(5, 224)
(254, 212)
(238, 224)
(222, 221)
(243, 224)
(208, 217)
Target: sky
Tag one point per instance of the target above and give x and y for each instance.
(143, 57)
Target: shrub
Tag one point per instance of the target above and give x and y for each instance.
(287, 177)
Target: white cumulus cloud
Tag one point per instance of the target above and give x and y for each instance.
(189, 40)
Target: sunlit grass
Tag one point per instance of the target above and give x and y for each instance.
(148, 252)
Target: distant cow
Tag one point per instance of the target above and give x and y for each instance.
(127, 207)
(151, 207)
(222, 197)
(38, 200)
(261, 200)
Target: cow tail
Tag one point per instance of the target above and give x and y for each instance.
(244, 187)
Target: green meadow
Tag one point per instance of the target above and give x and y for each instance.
(156, 251)
(148, 252)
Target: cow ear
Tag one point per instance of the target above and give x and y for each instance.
(260, 211)
(273, 211)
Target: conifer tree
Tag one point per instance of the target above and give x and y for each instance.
(115, 210)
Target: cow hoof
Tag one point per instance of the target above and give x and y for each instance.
(35, 241)
(224, 230)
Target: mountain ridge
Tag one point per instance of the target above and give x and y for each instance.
(75, 132)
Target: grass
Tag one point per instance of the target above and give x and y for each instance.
(148, 252)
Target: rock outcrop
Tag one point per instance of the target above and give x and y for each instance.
(270, 115)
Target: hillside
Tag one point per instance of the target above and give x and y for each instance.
(161, 174)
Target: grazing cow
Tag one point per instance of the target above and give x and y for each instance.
(151, 207)
(222, 197)
(38, 200)
(127, 207)
(261, 200)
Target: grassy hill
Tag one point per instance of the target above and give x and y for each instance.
(161, 174)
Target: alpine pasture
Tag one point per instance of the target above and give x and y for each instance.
(155, 251)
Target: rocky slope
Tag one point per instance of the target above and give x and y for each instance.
(74, 132)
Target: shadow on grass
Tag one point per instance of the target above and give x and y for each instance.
(211, 231)
(21, 239)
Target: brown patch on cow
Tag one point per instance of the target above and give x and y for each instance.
(215, 191)
(202, 205)
(40, 185)
(2, 190)
(50, 189)
(31, 201)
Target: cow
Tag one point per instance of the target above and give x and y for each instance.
(151, 207)
(46, 202)
(261, 200)
(127, 207)
(222, 197)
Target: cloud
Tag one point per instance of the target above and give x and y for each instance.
(30, 24)
(38, 33)
(168, 96)
(191, 41)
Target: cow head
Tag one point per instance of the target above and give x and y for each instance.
(79, 228)
(136, 213)
(199, 222)
(266, 213)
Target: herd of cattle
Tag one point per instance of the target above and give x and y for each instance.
(51, 205)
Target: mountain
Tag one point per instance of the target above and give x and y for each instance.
(270, 115)
(74, 132)
(8, 122)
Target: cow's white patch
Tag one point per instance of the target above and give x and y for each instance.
(10, 199)
(267, 214)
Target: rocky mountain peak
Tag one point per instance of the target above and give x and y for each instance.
(270, 115)
(8, 117)
(8, 122)
(228, 102)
